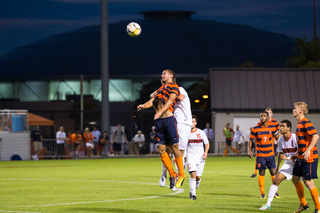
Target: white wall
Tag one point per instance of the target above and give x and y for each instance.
(14, 143)
(222, 118)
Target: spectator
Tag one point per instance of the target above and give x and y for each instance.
(36, 137)
(76, 139)
(103, 140)
(61, 138)
(237, 137)
(117, 139)
(153, 141)
(139, 140)
(96, 135)
(210, 136)
(88, 138)
(69, 143)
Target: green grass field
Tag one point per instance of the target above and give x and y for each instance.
(131, 185)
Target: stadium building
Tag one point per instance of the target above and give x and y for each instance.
(44, 77)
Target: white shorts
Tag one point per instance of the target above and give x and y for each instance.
(153, 147)
(184, 132)
(286, 170)
(89, 145)
(197, 167)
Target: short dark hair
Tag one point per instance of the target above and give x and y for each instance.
(287, 122)
(195, 117)
(263, 111)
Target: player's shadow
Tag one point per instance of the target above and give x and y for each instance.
(87, 209)
(228, 194)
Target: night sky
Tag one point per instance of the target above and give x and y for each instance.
(26, 21)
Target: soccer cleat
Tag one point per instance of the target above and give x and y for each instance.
(190, 194)
(276, 195)
(302, 208)
(162, 181)
(173, 180)
(253, 175)
(263, 196)
(174, 189)
(264, 207)
(316, 211)
(180, 181)
(193, 197)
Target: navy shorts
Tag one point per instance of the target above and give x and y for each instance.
(263, 162)
(116, 146)
(306, 170)
(166, 131)
(228, 142)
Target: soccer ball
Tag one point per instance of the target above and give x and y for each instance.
(133, 29)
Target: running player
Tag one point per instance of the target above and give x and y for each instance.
(307, 157)
(196, 156)
(166, 126)
(287, 147)
(229, 133)
(182, 113)
(263, 134)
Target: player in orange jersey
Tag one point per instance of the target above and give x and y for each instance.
(166, 125)
(306, 163)
(264, 134)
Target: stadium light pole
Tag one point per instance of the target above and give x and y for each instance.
(105, 108)
(314, 19)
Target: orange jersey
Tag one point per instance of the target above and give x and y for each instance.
(74, 137)
(163, 94)
(88, 137)
(264, 139)
(273, 123)
(305, 131)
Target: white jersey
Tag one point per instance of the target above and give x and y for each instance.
(195, 147)
(237, 135)
(289, 148)
(182, 109)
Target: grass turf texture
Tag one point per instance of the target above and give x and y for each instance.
(131, 185)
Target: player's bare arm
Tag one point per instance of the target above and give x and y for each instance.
(146, 105)
(249, 149)
(162, 112)
(313, 142)
(180, 97)
(205, 154)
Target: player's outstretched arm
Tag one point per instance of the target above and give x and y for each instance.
(146, 105)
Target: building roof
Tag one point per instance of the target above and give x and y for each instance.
(169, 39)
(255, 89)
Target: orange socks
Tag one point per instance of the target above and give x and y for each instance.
(167, 163)
(261, 184)
(225, 152)
(300, 193)
(179, 162)
(315, 197)
(234, 150)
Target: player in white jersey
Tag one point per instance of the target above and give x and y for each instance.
(183, 116)
(196, 156)
(287, 147)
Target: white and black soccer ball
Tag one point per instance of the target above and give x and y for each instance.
(133, 29)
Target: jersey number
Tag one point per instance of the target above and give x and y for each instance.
(265, 139)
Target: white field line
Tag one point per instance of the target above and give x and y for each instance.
(103, 201)
(18, 211)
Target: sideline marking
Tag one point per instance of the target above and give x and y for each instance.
(75, 203)
(18, 211)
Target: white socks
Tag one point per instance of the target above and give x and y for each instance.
(164, 170)
(272, 192)
(192, 184)
(198, 183)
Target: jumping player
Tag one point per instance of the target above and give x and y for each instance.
(196, 156)
(264, 135)
(307, 157)
(287, 147)
(166, 125)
